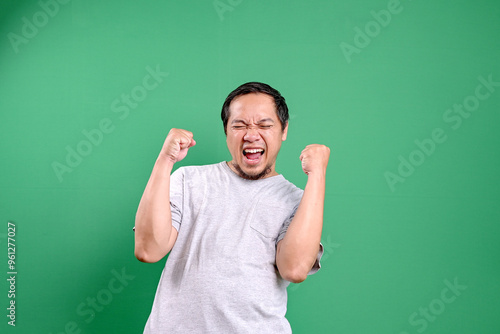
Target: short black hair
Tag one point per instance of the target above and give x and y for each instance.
(256, 87)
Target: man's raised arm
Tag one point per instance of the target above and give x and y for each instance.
(298, 250)
(154, 234)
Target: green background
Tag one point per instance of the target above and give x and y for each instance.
(389, 250)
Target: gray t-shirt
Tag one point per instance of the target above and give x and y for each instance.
(221, 275)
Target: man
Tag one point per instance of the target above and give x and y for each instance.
(238, 231)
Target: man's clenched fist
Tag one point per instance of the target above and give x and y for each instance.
(314, 158)
(177, 144)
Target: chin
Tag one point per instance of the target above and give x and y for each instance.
(252, 173)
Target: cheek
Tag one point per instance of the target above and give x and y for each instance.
(233, 142)
(272, 140)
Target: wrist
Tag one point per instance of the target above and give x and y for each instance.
(316, 176)
(165, 163)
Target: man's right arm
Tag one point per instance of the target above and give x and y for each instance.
(154, 234)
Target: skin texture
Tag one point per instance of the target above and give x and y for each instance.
(253, 124)
(154, 234)
(297, 251)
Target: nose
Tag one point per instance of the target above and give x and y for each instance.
(252, 134)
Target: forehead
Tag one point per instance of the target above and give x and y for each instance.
(253, 106)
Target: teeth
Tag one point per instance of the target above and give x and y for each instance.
(256, 150)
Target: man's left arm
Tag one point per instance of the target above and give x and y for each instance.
(296, 253)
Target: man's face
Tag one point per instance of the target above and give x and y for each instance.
(254, 135)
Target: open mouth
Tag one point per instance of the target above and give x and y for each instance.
(253, 155)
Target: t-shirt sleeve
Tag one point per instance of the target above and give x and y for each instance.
(281, 235)
(176, 197)
(284, 228)
(317, 264)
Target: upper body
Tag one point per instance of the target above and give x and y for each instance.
(255, 120)
(221, 274)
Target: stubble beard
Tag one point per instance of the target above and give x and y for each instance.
(259, 176)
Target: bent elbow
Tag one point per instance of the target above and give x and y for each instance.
(294, 276)
(143, 256)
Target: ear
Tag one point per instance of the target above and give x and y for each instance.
(285, 132)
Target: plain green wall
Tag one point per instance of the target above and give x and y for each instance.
(368, 89)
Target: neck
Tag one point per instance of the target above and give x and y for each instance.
(266, 172)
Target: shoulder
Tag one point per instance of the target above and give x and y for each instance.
(199, 170)
(288, 191)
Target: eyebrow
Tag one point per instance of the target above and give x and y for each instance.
(265, 120)
(259, 122)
